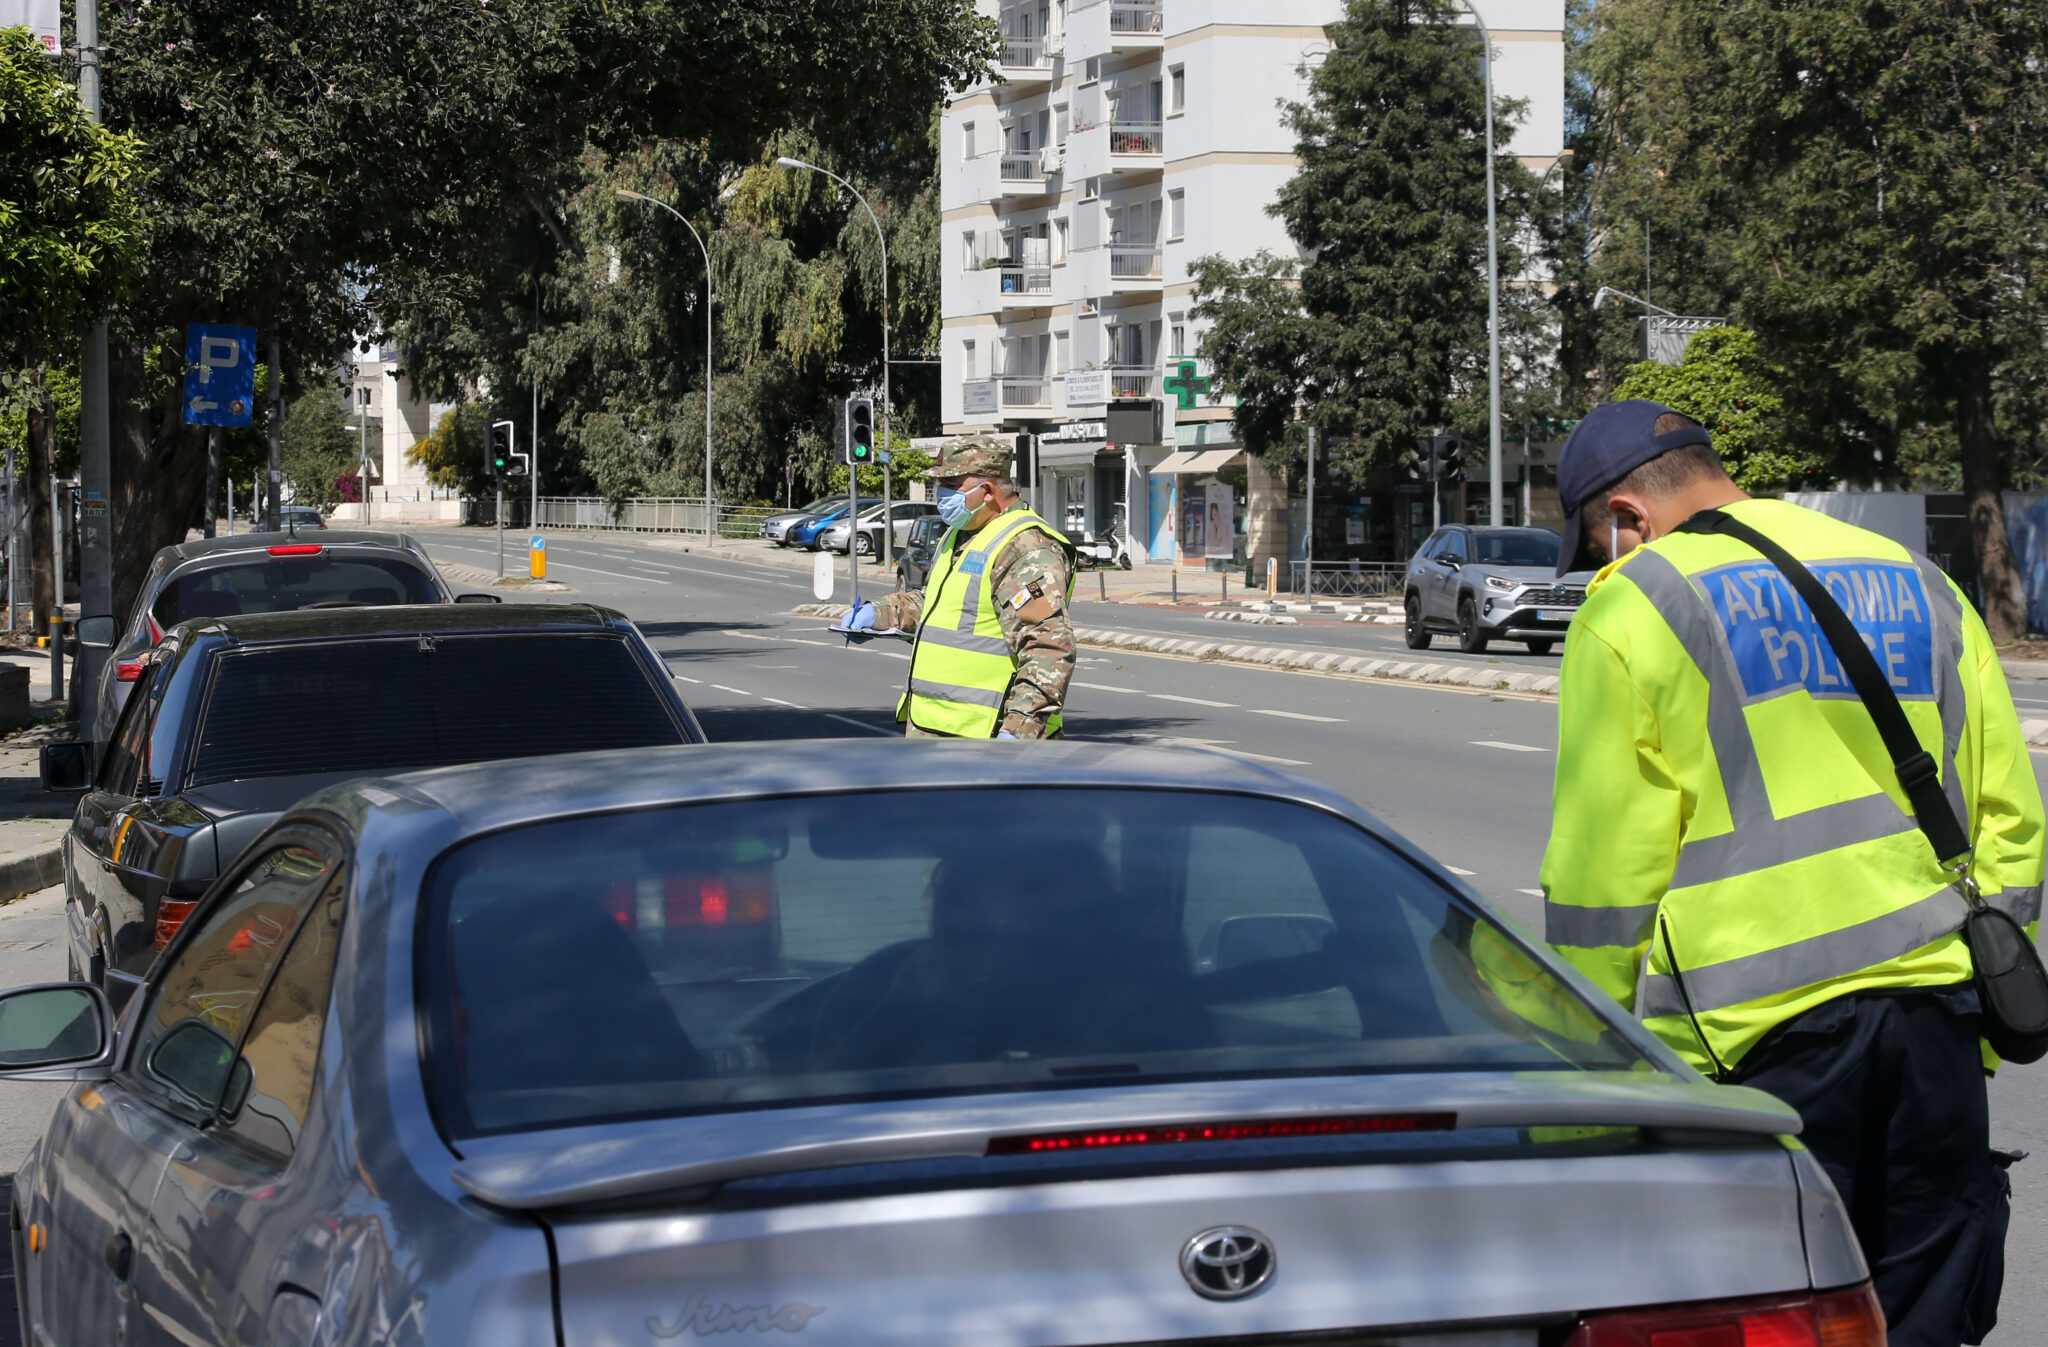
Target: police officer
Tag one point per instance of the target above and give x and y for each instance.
(1732, 857)
(995, 647)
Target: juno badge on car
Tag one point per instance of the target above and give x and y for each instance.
(1227, 1262)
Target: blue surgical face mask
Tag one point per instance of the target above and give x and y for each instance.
(953, 506)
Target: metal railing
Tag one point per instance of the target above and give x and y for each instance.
(1027, 392)
(1134, 137)
(1348, 579)
(1021, 167)
(640, 514)
(1024, 53)
(1138, 18)
(1132, 381)
(1027, 280)
(1134, 264)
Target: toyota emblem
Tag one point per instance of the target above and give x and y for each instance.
(1227, 1262)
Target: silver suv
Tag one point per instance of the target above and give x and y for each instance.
(1485, 584)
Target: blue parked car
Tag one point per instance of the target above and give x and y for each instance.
(805, 534)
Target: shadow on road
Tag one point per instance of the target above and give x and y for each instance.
(655, 631)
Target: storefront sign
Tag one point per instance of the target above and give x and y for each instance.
(1087, 387)
(1078, 430)
(981, 398)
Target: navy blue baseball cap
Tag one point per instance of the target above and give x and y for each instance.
(1613, 440)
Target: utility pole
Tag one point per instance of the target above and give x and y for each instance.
(1308, 541)
(276, 503)
(1493, 492)
(95, 467)
(212, 478)
(533, 436)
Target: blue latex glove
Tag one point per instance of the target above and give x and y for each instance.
(1004, 734)
(862, 618)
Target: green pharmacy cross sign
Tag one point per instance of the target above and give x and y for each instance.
(1186, 385)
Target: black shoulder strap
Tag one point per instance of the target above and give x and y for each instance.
(1917, 770)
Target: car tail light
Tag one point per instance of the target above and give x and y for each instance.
(154, 627)
(296, 550)
(1847, 1318)
(170, 915)
(743, 898)
(128, 670)
(1251, 1129)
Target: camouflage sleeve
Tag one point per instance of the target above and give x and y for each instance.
(901, 609)
(1030, 579)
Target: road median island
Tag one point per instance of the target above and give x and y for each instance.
(1475, 677)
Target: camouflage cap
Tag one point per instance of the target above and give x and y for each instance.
(976, 456)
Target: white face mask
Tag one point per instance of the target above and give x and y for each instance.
(1613, 537)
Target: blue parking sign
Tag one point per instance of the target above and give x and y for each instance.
(220, 375)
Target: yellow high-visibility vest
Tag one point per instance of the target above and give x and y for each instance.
(961, 668)
(1731, 847)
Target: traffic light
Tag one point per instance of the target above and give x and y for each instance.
(1448, 463)
(501, 448)
(858, 449)
(1415, 463)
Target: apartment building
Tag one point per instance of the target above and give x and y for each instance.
(1125, 139)
(381, 398)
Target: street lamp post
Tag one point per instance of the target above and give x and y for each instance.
(710, 511)
(888, 529)
(1493, 494)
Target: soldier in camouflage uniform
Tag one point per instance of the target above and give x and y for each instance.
(1029, 580)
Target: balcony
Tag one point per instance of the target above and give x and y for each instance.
(1119, 146)
(1023, 396)
(1024, 287)
(1022, 175)
(1134, 264)
(1106, 27)
(1026, 60)
(1133, 381)
(1117, 269)
(1141, 22)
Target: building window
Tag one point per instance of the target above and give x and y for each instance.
(1059, 241)
(1177, 102)
(970, 256)
(1091, 188)
(363, 395)
(1176, 213)
(967, 140)
(1059, 353)
(970, 367)
(1177, 340)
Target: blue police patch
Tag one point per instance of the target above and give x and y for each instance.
(974, 563)
(1779, 647)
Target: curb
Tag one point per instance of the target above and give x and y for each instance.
(2036, 732)
(1270, 657)
(1256, 619)
(32, 870)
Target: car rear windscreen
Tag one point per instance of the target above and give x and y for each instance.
(394, 705)
(798, 951)
(1515, 549)
(282, 584)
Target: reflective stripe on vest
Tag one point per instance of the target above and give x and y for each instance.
(961, 668)
(1759, 839)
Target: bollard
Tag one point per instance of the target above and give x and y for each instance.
(1226, 584)
(537, 557)
(1175, 576)
(1101, 587)
(1272, 567)
(56, 659)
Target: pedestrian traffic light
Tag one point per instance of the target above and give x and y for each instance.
(501, 448)
(858, 449)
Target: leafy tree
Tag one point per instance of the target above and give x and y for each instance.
(318, 448)
(336, 167)
(455, 452)
(1727, 386)
(1381, 333)
(1865, 186)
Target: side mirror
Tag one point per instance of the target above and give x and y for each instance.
(56, 1031)
(96, 633)
(1451, 562)
(65, 766)
(479, 598)
(200, 1061)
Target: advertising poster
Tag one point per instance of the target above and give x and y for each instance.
(1191, 533)
(1219, 529)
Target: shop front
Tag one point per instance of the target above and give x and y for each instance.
(1199, 496)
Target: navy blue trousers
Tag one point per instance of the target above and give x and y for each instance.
(1891, 1088)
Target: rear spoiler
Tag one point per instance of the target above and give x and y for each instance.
(540, 1170)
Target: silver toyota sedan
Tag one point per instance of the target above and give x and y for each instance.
(887, 1043)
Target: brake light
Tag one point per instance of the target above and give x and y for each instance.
(1847, 1318)
(128, 670)
(296, 550)
(1259, 1129)
(740, 899)
(170, 915)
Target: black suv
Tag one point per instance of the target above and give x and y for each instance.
(232, 720)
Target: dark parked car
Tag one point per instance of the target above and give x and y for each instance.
(263, 573)
(914, 563)
(737, 1044)
(235, 718)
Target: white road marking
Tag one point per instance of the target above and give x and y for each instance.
(1462, 874)
(1192, 701)
(858, 724)
(779, 702)
(737, 692)
(1222, 746)
(1533, 893)
(687, 679)
(1297, 715)
(1512, 748)
(1102, 687)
